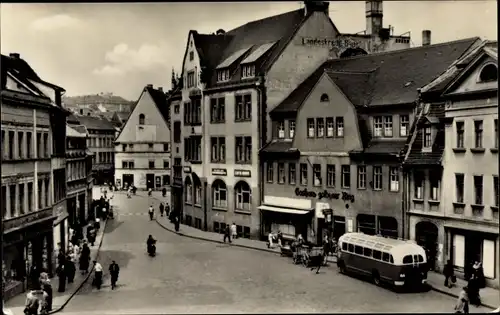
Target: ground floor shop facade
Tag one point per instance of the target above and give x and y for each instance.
(461, 241)
(60, 227)
(144, 179)
(78, 207)
(24, 247)
(102, 176)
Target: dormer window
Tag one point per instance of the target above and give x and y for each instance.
(190, 79)
(223, 75)
(281, 129)
(489, 73)
(291, 128)
(248, 71)
(427, 137)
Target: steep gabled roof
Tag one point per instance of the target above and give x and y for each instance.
(209, 47)
(95, 123)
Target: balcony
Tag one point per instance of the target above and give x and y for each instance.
(27, 219)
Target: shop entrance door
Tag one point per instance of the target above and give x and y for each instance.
(473, 248)
(150, 181)
(322, 231)
(128, 180)
(338, 226)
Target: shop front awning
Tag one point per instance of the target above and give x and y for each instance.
(284, 210)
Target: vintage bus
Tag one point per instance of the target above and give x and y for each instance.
(400, 263)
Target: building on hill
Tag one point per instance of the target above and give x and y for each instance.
(100, 142)
(97, 103)
(142, 149)
(456, 143)
(334, 163)
(33, 174)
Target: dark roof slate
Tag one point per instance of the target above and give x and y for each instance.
(385, 146)
(95, 123)
(160, 100)
(276, 146)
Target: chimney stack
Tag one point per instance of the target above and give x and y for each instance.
(374, 16)
(426, 38)
(160, 88)
(149, 86)
(15, 55)
(318, 6)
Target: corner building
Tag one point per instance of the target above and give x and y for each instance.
(339, 140)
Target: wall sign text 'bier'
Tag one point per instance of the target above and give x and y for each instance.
(324, 195)
(242, 173)
(219, 171)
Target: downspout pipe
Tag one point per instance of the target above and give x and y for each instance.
(261, 131)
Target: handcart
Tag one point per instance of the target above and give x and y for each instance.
(300, 255)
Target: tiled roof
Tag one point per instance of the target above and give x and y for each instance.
(72, 119)
(95, 123)
(395, 76)
(278, 146)
(209, 47)
(80, 128)
(73, 133)
(385, 146)
(160, 100)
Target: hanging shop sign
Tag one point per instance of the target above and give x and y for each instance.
(344, 196)
(219, 171)
(242, 173)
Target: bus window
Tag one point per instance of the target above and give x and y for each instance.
(407, 259)
(367, 252)
(391, 259)
(344, 247)
(377, 254)
(420, 258)
(385, 257)
(350, 247)
(358, 250)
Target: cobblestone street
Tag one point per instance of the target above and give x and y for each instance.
(191, 276)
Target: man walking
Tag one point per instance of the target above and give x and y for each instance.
(162, 208)
(167, 210)
(227, 234)
(151, 212)
(234, 233)
(98, 274)
(114, 270)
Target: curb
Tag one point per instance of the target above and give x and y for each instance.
(433, 288)
(86, 278)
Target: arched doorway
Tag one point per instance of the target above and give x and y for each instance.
(351, 52)
(426, 235)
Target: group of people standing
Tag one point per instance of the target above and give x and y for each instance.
(470, 294)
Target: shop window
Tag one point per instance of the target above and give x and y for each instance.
(246, 232)
(219, 194)
(318, 180)
(216, 227)
(292, 173)
(243, 196)
(346, 176)
(361, 176)
(197, 223)
(270, 172)
(281, 173)
(394, 178)
(377, 255)
(366, 224)
(404, 125)
(387, 227)
(303, 174)
(189, 220)
(330, 175)
(320, 127)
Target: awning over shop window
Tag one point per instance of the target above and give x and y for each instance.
(284, 210)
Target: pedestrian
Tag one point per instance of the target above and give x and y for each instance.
(326, 245)
(61, 257)
(167, 210)
(97, 224)
(177, 223)
(114, 271)
(234, 232)
(473, 291)
(92, 235)
(162, 208)
(70, 269)
(98, 274)
(164, 191)
(227, 234)
(449, 274)
(151, 212)
(479, 273)
(34, 276)
(61, 274)
(47, 287)
(462, 305)
(85, 259)
(320, 262)
(32, 302)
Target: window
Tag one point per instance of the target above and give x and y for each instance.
(4, 201)
(388, 126)
(317, 180)
(11, 145)
(346, 176)
(151, 163)
(478, 190)
(459, 188)
(366, 224)
(460, 134)
(303, 174)
(20, 144)
(495, 190)
(329, 127)
(243, 196)
(223, 75)
(30, 197)
(189, 190)
(350, 248)
(404, 125)
(12, 197)
(190, 79)
(495, 136)
(394, 178)
(166, 164)
(191, 55)
(243, 149)
(339, 121)
(377, 177)
(292, 173)
(218, 110)
(141, 119)
(46, 145)
(324, 97)
(358, 250)
(427, 133)
(40, 194)
(310, 128)
(177, 109)
(281, 173)
(478, 133)
(192, 149)
(150, 146)
(219, 194)
(39, 145)
(489, 73)
(386, 257)
(281, 129)
(291, 128)
(248, 71)
(270, 172)
(248, 149)
(131, 164)
(29, 150)
(330, 175)
(243, 107)
(21, 198)
(177, 132)
(361, 177)
(218, 149)
(166, 147)
(419, 185)
(377, 124)
(367, 252)
(246, 232)
(197, 193)
(216, 227)
(320, 127)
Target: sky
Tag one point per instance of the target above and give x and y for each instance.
(89, 48)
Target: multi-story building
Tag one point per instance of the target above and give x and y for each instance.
(79, 179)
(142, 149)
(457, 144)
(337, 143)
(100, 141)
(97, 103)
(33, 172)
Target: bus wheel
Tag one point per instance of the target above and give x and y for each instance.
(376, 277)
(341, 266)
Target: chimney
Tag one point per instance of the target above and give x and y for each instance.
(160, 88)
(318, 6)
(426, 38)
(374, 15)
(220, 31)
(15, 55)
(149, 86)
